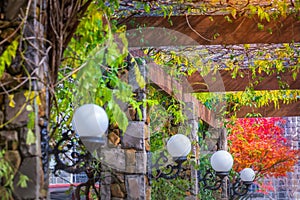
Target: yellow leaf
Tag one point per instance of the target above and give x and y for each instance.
(259, 70)
(233, 13)
(32, 95)
(74, 75)
(268, 56)
(12, 103)
(146, 51)
(139, 78)
(247, 46)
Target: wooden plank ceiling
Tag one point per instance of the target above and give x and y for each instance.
(216, 30)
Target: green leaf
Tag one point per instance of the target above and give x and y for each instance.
(120, 117)
(294, 75)
(228, 19)
(147, 8)
(270, 30)
(267, 16)
(216, 35)
(23, 181)
(31, 117)
(233, 13)
(260, 26)
(252, 9)
(8, 55)
(30, 139)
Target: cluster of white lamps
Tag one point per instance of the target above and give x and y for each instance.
(221, 161)
(90, 121)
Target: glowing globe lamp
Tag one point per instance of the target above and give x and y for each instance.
(221, 161)
(90, 122)
(179, 146)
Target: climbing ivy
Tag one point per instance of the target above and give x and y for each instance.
(7, 176)
(251, 98)
(8, 54)
(166, 118)
(98, 55)
(204, 160)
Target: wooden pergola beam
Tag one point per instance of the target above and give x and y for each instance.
(211, 30)
(162, 80)
(216, 30)
(284, 110)
(223, 81)
(158, 77)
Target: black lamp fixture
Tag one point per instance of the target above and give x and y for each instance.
(222, 162)
(90, 122)
(178, 146)
(74, 155)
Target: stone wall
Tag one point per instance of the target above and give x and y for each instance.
(25, 157)
(124, 156)
(18, 95)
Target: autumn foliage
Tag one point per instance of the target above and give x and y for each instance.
(260, 143)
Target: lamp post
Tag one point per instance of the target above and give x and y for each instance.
(178, 146)
(222, 162)
(90, 122)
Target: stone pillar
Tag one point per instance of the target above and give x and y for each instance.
(125, 164)
(222, 145)
(135, 138)
(191, 112)
(105, 185)
(22, 105)
(124, 156)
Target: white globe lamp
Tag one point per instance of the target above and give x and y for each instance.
(90, 122)
(179, 146)
(221, 161)
(247, 175)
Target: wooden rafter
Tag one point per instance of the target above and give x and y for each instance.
(284, 110)
(161, 79)
(211, 30)
(216, 30)
(223, 81)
